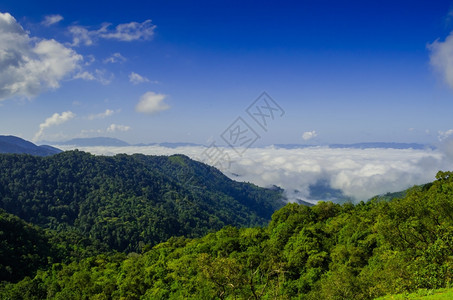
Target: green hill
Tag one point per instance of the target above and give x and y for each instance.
(327, 251)
(25, 248)
(129, 201)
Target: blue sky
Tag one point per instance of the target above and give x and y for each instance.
(180, 71)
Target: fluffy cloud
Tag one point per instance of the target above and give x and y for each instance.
(136, 78)
(308, 135)
(116, 57)
(358, 173)
(151, 103)
(81, 36)
(446, 143)
(103, 115)
(51, 19)
(55, 119)
(441, 58)
(116, 128)
(126, 32)
(443, 135)
(29, 65)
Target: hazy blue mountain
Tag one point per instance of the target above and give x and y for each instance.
(169, 144)
(144, 144)
(16, 145)
(293, 146)
(95, 141)
(176, 145)
(382, 145)
(322, 191)
(107, 141)
(51, 148)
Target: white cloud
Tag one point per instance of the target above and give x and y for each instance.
(445, 134)
(151, 103)
(308, 135)
(114, 58)
(80, 35)
(90, 59)
(130, 31)
(85, 75)
(116, 128)
(29, 65)
(55, 119)
(126, 32)
(136, 78)
(51, 19)
(359, 173)
(441, 58)
(98, 75)
(88, 132)
(446, 143)
(103, 115)
(85, 131)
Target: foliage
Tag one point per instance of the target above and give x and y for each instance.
(24, 248)
(129, 201)
(424, 294)
(328, 251)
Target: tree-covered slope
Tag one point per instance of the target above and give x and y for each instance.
(328, 251)
(128, 201)
(25, 248)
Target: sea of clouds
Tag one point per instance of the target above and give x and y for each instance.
(358, 173)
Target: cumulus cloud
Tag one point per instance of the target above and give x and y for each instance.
(358, 173)
(29, 65)
(308, 135)
(151, 103)
(446, 143)
(54, 120)
(126, 32)
(118, 128)
(446, 146)
(51, 19)
(136, 78)
(115, 58)
(102, 115)
(441, 58)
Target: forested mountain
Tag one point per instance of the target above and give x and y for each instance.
(328, 251)
(13, 144)
(128, 201)
(25, 248)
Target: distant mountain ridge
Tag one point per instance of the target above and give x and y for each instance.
(414, 146)
(95, 141)
(114, 142)
(366, 145)
(16, 145)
